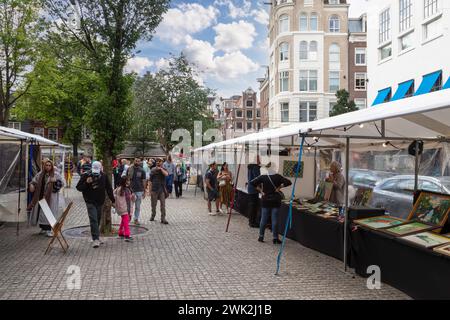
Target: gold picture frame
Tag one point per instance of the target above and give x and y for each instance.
(444, 249)
(431, 208)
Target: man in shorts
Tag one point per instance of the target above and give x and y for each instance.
(212, 188)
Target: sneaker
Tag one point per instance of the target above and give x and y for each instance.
(212, 214)
(164, 222)
(136, 222)
(129, 239)
(49, 234)
(120, 237)
(101, 241)
(152, 219)
(95, 244)
(42, 232)
(261, 239)
(277, 241)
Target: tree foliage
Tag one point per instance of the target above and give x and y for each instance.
(343, 104)
(172, 99)
(19, 29)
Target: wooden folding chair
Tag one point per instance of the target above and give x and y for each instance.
(57, 231)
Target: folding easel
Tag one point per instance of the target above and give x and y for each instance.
(57, 231)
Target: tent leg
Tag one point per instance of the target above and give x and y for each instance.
(347, 170)
(416, 168)
(231, 207)
(20, 190)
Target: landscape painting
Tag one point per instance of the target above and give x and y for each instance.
(431, 208)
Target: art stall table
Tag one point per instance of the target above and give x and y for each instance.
(419, 272)
(325, 235)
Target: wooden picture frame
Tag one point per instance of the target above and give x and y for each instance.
(427, 239)
(444, 249)
(362, 197)
(425, 209)
(57, 231)
(369, 222)
(408, 228)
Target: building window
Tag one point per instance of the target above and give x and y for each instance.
(385, 52)
(308, 111)
(334, 81)
(360, 103)
(432, 29)
(360, 81)
(385, 26)
(360, 56)
(333, 1)
(332, 105)
(86, 133)
(258, 113)
(249, 125)
(239, 126)
(39, 131)
(308, 80)
(334, 24)
(303, 50)
(284, 23)
(406, 41)
(239, 114)
(303, 22)
(430, 8)
(410, 91)
(15, 125)
(405, 15)
(284, 51)
(334, 53)
(438, 84)
(313, 22)
(249, 103)
(313, 50)
(258, 125)
(53, 134)
(285, 112)
(309, 2)
(249, 114)
(284, 81)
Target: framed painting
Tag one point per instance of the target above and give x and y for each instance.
(427, 239)
(445, 249)
(328, 191)
(362, 197)
(408, 228)
(290, 169)
(379, 222)
(431, 208)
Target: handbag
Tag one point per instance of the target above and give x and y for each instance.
(222, 183)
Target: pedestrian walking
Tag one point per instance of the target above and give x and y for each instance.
(253, 171)
(45, 185)
(270, 185)
(225, 179)
(68, 171)
(138, 178)
(158, 177)
(95, 185)
(169, 166)
(117, 176)
(211, 188)
(125, 199)
(180, 178)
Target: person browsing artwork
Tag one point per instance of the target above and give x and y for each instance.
(269, 186)
(337, 179)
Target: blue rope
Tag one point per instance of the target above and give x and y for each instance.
(291, 203)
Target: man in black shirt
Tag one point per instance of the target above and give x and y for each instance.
(211, 188)
(138, 179)
(95, 185)
(157, 186)
(270, 185)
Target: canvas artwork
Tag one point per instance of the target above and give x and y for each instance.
(362, 197)
(409, 228)
(290, 169)
(427, 239)
(445, 249)
(431, 208)
(379, 222)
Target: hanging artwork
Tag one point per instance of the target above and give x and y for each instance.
(431, 208)
(290, 169)
(362, 197)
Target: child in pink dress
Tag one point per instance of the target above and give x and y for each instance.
(124, 203)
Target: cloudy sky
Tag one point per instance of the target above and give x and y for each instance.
(225, 39)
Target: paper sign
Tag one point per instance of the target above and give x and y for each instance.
(47, 212)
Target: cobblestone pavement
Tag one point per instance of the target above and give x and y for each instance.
(191, 258)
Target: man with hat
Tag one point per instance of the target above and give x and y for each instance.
(158, 190)
(211, 187)
(95, 185)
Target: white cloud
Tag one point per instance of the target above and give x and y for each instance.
(233, 65)
(234, 36)
(200, 53)
(185, 19)
(138, 65)
(236, 11)
(162, 64)
(261, 16)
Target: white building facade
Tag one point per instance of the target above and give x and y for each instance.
(408, 48)
(308, 59)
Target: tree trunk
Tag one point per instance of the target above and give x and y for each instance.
(106, 220)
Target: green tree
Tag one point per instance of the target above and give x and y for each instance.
(19, 30)
(59, 95)
(108, 32)
(343, 104)
(172, 99)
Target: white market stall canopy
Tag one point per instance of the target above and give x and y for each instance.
(10, 135)
(424, 117)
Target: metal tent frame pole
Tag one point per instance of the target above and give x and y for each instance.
(347, 170)
(19, 205)
(416, 167)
